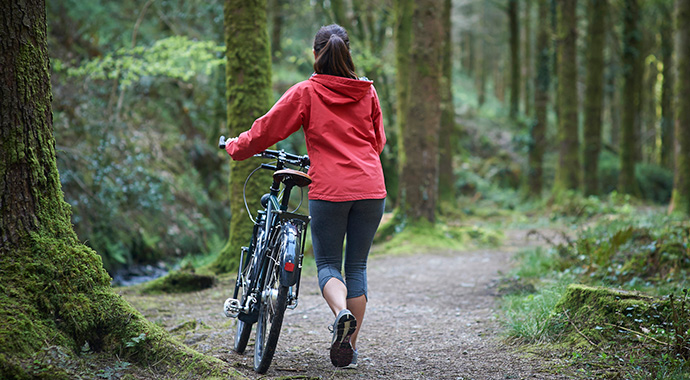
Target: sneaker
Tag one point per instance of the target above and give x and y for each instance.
(341, 350)
(353, 363)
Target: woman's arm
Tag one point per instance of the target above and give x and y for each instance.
(378, 123)
(284, 119)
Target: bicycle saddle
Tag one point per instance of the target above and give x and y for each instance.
(292, 177)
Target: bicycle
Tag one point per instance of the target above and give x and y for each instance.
(268, 277)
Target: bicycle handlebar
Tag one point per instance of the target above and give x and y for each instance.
(280, 155)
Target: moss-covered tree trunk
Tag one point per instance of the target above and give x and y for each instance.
(594, 93)
(446, 179)
(613, 82)
(55, 295)
(403, 39)
(631, 99)
(482, 53)
(277, 10)
(680, 200)
(248, 92)
(541, 98)
(514, 38)
(340, 14)
(419, 175)
(527, 60)
(667, 114)
(568, 167)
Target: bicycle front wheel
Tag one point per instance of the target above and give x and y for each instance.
(272, 309)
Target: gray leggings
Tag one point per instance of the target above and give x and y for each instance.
(331, 222)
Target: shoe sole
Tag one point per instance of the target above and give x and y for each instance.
(341, 349)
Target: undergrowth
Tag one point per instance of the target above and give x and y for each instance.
(631, 319)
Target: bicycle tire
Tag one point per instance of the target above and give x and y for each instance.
(242, 336)
(271, 312)
(243, 329)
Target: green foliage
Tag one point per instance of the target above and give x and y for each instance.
(621, 332)
(635, 252)
(176, 57)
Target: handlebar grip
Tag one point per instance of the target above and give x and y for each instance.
(221, 142)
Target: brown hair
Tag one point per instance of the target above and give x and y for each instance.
(332, 48)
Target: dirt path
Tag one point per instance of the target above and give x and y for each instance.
(430, 316)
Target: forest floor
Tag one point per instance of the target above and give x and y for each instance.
(431, 315)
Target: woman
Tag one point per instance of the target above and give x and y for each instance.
(343, 128)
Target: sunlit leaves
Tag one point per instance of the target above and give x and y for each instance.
(175, 57)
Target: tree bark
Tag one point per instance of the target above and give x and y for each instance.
(248, 92)
(277, 18)
(568, 168)
(419, 176)
(631, 99)
(680, 200)
(594, 93)
(446, 180)
(527, 60)
(541, 98)
(54, 292)
(667, 117)
(514, 37)
(403, 41)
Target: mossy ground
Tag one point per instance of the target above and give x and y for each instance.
(395, 236)
(62, 320)
(181, 281)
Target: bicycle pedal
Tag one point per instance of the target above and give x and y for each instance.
(232, 307)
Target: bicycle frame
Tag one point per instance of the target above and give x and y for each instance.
(268, 225)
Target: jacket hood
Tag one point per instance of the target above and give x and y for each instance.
(338, 90)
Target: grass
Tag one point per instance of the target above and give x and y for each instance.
(632, 249)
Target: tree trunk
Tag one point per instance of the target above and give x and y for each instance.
(680, 200)
(631, 100)
(419, 177)
(248, 92)
(594, 93)
(667, 140)
(613, 91)
(482, 61)
(649, 130)
(446, 178)
(527, 59)
(568, 168)
(541, 98)
(54, 293)
(340, 14)
(403, 41)
(514, 37)
(277, 18)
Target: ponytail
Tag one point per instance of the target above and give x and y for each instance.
(332, 48)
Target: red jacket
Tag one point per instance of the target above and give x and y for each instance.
(344, 133)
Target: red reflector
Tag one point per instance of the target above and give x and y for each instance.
(289, 267)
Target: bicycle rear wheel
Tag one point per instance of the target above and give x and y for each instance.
(271, 313)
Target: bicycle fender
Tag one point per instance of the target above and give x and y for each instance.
(289, 255)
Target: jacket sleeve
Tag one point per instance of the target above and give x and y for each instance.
(378, 123)
(284, 119)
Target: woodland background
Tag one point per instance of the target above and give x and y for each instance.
(563, 116)
(139, 102)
